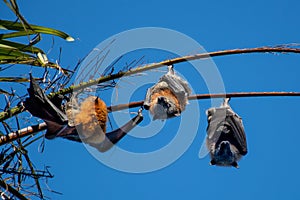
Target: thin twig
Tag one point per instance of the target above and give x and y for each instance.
(42, 126)
(38, 174)
(36, 179)
(12, 190)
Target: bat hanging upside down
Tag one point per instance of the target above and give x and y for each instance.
(168, 97)
(86, 123)
(226, 139)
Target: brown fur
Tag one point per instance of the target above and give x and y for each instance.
(93, 117)
(166, 93)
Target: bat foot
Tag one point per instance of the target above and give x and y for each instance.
(171, 69)
(140, 111)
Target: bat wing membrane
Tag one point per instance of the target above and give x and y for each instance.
(39, 105)
(226, 117)
(215, 119)
(178, 86)
(236, 124)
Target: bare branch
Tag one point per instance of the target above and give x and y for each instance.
(38, 174)
(209, 96)
(12, 190)
(42, 126)
(148, 67)
(243, 94)
(16, 79)
(22, 133)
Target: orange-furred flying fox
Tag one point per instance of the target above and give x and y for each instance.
(85, 123)
(168, 97)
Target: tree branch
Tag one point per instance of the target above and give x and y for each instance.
(174, 61)
(12, 190)
(279, 49)
(209, 96)
(22, 133)
(42, 126)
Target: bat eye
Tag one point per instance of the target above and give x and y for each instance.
(210, 112)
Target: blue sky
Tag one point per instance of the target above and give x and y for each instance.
(268, 171)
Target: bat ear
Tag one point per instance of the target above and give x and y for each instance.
(234, 164)
(97, 100)
(177, 114)
(210, 111)
(212, 162)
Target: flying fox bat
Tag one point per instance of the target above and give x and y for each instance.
(226, 139)
(86, 123)
(168, 97)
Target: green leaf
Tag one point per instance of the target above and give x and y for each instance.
(20, 47)
(33, 29)
(14, 56)
(17, 34)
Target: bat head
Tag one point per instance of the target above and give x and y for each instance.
(224, 150)
(164, 108)
(225, 154)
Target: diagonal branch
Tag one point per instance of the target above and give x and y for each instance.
(42, 126)
(279, 49)
(12, 190)
(22, 133)
(174, 61)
